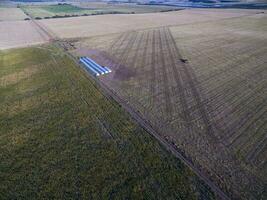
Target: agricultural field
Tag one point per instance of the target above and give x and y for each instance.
(126, 7)
(11, 14)
(109, 24)
(43, 11)
(203, 88)
(61, 138)
(48, 11)
(197, 76)
(19, 34)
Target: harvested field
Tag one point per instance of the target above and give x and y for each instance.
(108, 24)
(19, 34)
(202, 86)
(11, 14)
(56, 10)
(91, 8)
(198, 76)
(61, 138)
(126, 7)
(231, 70)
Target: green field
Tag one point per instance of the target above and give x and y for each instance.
(61, 138)
(91, 9)
(127, 7)
(59, 10)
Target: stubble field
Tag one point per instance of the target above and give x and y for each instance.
(109, 24)
(19, 34)
(11, 14)
(202, 86)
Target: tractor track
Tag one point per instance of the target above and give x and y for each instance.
(191, 79)
(153, 71)
(177, 76)
(168, 103)
(112, 50)
(126, 51)
(133, 62)
(143, 62)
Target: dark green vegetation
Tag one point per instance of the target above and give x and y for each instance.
(62, 8)
(48, 11)
(61, 138)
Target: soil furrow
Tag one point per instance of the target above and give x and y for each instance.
(163, 66)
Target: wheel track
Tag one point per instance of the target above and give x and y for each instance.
(153, 72)
(133, 62)
(190, 78)
(168, 103)
(117, 47)
(141, 65)
(253, 154)
(233, 139)
(179, 84)
(123, 57)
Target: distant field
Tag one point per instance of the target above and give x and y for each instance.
(19, 33)
(90, 9)
(203, 86)
(126, 7)
(60, 138)
(109, 24)
(11, 14)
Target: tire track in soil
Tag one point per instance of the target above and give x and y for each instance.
(243, 123)
(118, 42)
(116, 47)
(190, 78)
(128, 47)
(166, 85)
(142, 65)
(179, 84)
(121, 46)
(133, 62)
(158, 106)
(253, 154)
(225, 129)
(153, 72)
(234, 140)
